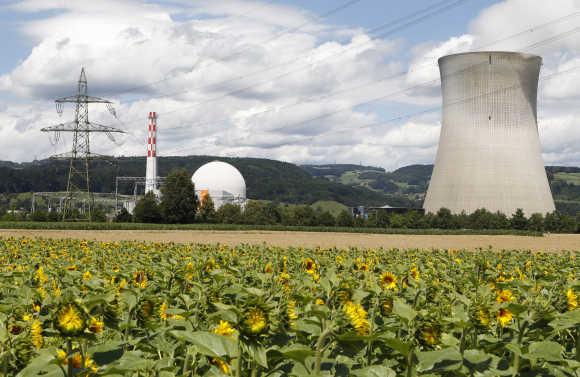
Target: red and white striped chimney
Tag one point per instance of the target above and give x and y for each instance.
(151, 170)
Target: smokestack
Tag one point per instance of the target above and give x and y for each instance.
(489, 152)
(151, 171)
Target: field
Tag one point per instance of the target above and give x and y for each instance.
(548, 242)
(82, 308)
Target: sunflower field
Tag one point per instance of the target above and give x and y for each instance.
(78, 308)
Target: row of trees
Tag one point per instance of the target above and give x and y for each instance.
(179, 205)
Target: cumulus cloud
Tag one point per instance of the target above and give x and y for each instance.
(234, 78)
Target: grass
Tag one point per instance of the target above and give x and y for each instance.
(243, 227)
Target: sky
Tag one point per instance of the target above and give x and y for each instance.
(303, 81)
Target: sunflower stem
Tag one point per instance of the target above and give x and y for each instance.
(239, 360)
(319, 349)
(69, 355)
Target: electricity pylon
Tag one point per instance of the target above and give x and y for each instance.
(78, 183)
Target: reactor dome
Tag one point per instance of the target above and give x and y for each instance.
(223, 182)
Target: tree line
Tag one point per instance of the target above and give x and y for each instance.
(179, 205)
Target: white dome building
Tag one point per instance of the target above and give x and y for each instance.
(223, 182)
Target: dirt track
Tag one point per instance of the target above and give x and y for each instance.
(552, 242)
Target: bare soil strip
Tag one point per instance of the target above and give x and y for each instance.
(550, 242)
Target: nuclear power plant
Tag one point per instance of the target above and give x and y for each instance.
(222, 182)
(489, 153)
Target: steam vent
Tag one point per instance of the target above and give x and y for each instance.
(489, 153)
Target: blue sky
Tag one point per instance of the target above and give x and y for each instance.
(236, 78)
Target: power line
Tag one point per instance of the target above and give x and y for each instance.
(236, 53)
(325, 115)
(433, 109)
(382, 97)
(431, 13)
(415, 17)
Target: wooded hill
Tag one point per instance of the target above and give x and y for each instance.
(277, 181)
(265, 179)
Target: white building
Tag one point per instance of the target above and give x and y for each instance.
(223, 182)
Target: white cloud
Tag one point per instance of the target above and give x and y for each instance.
(236, 78)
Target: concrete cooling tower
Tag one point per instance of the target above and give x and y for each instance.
(489, 153)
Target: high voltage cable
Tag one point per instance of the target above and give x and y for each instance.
(422, 112)
(532, 29)
(436, 11)
(429, 11)
(276, 36)
(326, 115)
(401, 91)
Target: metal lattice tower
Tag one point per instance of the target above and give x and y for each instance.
(78, 183)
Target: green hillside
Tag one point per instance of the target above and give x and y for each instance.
(265, 179)
(412, 181)
(343, 184)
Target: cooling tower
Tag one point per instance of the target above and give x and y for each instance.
(489, 153)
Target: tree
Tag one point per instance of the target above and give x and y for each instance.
(304, 215)
(344, 219)
(325, 218)
(207, 213)
(123, 216)
(518, 220)
(147, 210)
(178, 203)
(39, 216)
(536, 222)
(260, 213)
(444, 219)
(229, 214)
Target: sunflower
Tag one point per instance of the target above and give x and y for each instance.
(429, 335)
(572, 299)
(388, 281)
(504, 317)
(414, 272)
(255, 321)
(96, 326)
(140, 279)
(163, 311)
(268, 269)
(310, 266)
(70, 319)
(221, 365)
(40, 276)
(505, 295)
(319, 301)
(36, 334)
(386, 306)
(358, 317)
(483, 317)
(87, 275)
(291, 313)
(224, 329)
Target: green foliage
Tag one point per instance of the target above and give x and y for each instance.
(123, 216)
(207, 213)
(213, 310)
(178, 201)
(229, 214)
(147, 210)
(344, 219)
(261, 213)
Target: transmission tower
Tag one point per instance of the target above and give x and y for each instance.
(78, 183)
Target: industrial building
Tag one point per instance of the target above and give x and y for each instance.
(222, 182)
(489, 153)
